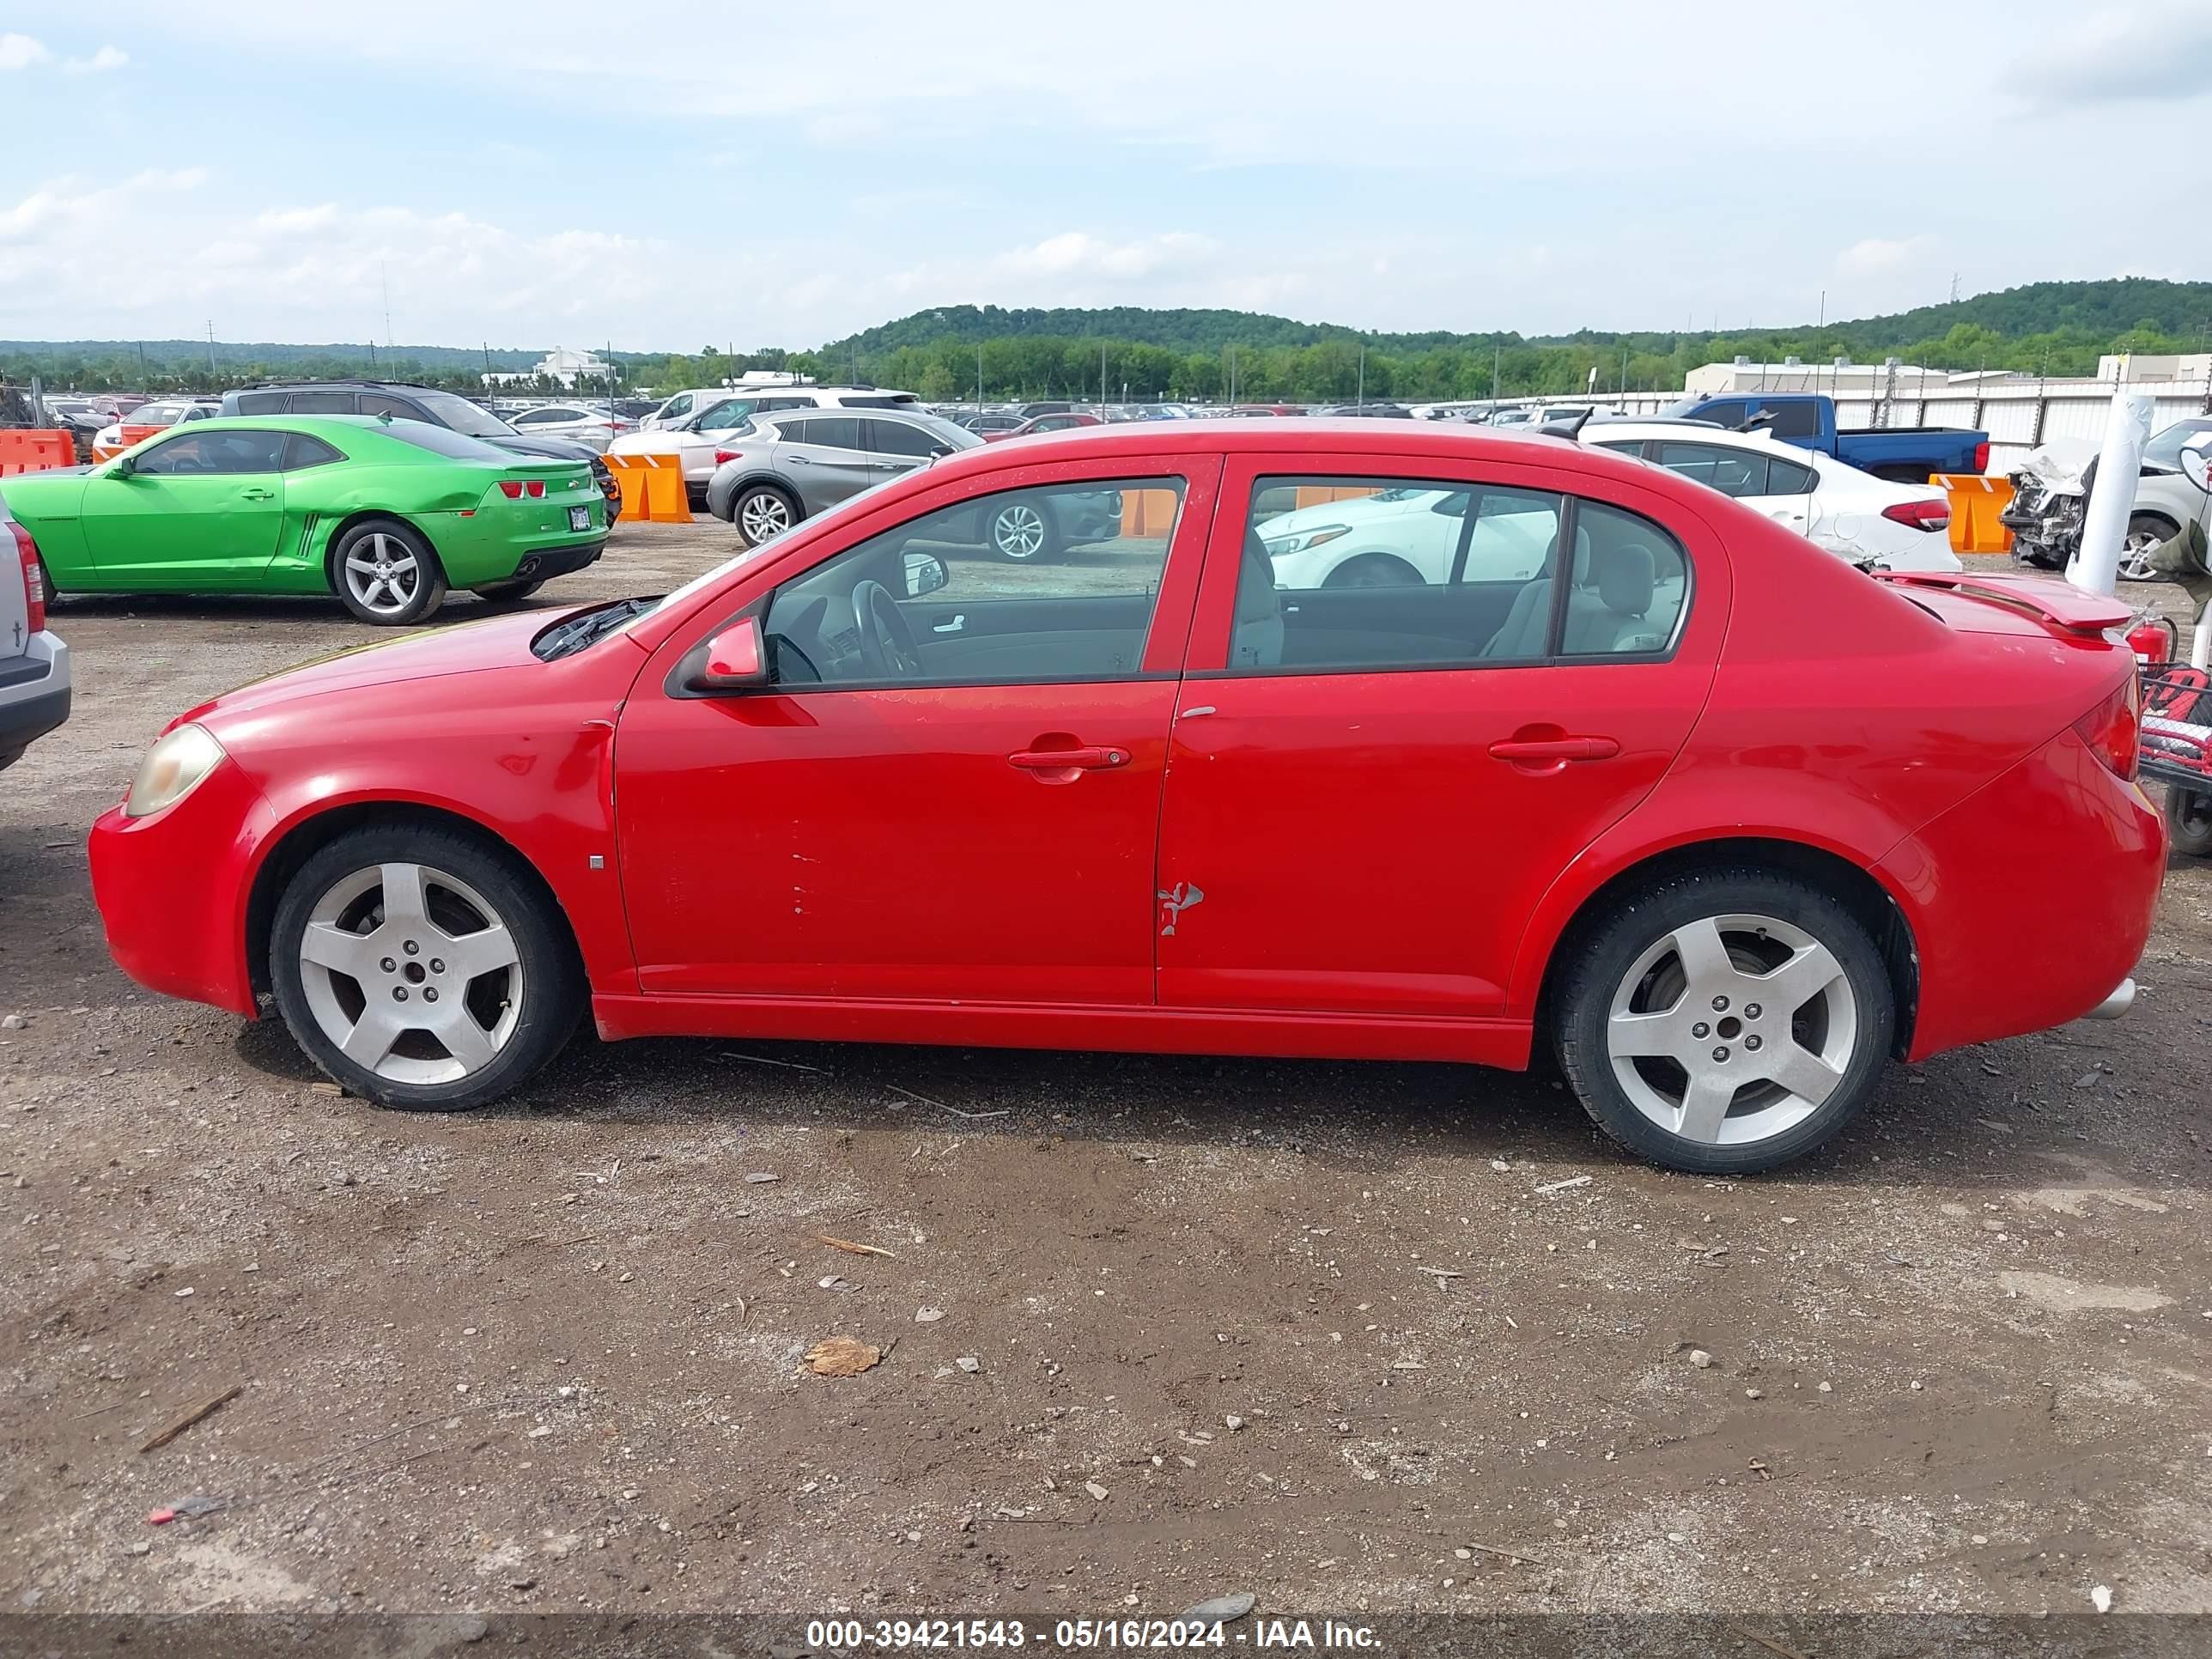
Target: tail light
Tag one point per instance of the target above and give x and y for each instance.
(1920, 515)
(34, 581)
(724, 456)
(2110, 728)
(515, 488)
(1981, 456)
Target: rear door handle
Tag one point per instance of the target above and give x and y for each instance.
(1063, 760)
(1555, 749)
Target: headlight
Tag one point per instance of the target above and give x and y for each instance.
(1300, 543)
(172, 770)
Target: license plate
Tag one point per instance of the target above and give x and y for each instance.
(580, 517)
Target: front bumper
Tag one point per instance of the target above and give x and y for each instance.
(172, 889)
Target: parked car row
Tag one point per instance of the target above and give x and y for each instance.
(1720, 807)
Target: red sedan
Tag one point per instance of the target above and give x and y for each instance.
(1725, 822)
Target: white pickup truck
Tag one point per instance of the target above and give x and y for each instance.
(34, 671)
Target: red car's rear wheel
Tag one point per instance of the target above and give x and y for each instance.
(1726, 1021)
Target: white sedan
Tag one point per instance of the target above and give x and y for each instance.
(595, 429)
(1851, 513)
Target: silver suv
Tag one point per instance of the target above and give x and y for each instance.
(34, 671)
(792, 464)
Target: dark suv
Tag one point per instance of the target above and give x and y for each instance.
(403, 402)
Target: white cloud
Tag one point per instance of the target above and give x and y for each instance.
(107, 58)
(20, 51)
(1878, 255)
(1077, 253)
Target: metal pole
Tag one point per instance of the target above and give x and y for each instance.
(2096, 565)
(1363, 375)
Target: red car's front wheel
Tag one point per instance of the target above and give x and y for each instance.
(422, 969)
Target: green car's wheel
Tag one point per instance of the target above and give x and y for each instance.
(514, 590)
(386, 573)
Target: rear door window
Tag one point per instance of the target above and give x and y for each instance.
(1349, 574)
(1793, 419)
(380, 403)
(834, 432)
(1732, 471)
(322, 403)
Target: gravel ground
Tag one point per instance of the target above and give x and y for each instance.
(1350, 1337)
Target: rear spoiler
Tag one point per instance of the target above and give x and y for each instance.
(2048, 598)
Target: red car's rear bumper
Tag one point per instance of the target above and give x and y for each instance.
(2032, 899)
(172, 891)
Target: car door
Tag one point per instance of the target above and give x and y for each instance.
(1788, 497)
(671, 413)
(1369, 789)
(825, 455)
(919, 820)
(899, 446)
(196, 508)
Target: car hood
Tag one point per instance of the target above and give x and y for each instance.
(496, 642)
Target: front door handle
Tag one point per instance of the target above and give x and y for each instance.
(1070, 761)
(952, 627)
(1555, 749)
(257, 494)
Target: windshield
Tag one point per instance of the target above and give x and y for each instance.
(463, 416)
(155, 414)
(2165, 448)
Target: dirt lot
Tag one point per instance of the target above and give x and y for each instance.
(1348, 1337)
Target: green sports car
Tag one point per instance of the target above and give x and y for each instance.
(387, 514)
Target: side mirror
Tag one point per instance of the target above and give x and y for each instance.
(2198, 468)
(737, 659)
(924, 573)
(124, 467)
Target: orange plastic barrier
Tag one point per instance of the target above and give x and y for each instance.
(1147, 511)
(651, 488)
(1975, 503)
(131, 437)
(34, 451)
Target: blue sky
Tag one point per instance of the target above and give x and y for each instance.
(660, 177)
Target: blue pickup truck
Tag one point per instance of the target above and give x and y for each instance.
(1906, 454)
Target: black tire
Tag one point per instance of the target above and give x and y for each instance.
(428, 591)
(2189, 821)
(762, 499)
(1374, 570)
(1606, 952)
(552, 978)
(519, 589)
(1023, 530)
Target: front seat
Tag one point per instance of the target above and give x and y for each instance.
(1258, 641)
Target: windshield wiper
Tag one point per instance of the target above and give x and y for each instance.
(573, 635)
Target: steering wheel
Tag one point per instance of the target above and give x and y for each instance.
(886, 642)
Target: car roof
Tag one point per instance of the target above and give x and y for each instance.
(1698, 432)
(1315, 434)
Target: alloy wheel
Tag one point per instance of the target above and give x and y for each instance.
(1732, 1029)
(411, 973)
(2135, 555)
(764, 514)
(383, 574)
(1018, 530)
